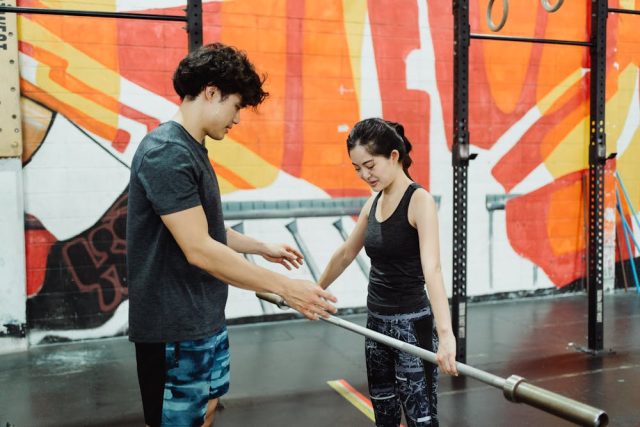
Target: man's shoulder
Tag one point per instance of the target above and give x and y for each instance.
(160, 136)
(164, 142)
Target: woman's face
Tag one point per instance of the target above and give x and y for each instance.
(377, 171)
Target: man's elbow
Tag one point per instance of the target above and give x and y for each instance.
(196, 256)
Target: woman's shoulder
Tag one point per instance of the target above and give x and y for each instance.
(422, 193)
(421, 200)
(366, 208)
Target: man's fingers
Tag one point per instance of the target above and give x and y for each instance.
(310, 315)
(293, 262)
(286, 264)
(293, 259)
(326, 295)
(295, 253)
(324, 305)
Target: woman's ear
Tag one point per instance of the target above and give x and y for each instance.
(395, 155)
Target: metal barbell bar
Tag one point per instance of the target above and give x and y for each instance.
(515, 388)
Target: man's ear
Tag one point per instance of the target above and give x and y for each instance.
(209, 92)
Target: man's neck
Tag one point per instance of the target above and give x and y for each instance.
(185, 116)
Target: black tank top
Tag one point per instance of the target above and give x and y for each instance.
(396, 280)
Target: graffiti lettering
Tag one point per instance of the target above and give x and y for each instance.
(3, 30)
(96, 261)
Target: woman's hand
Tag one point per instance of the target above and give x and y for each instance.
(446, 355)
(284, 254)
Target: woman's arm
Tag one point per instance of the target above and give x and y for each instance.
(423, 214)
(348, 251)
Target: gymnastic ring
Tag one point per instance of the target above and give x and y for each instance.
(505, 13)
(551, 8)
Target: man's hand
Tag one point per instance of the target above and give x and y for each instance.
(309, 299)
(282, 254)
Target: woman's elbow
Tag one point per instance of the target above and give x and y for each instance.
(348, 255)
(433, 270)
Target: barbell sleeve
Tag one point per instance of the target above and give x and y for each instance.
(515, 389)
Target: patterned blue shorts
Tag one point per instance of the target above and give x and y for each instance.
(178, 379)
(398, 379)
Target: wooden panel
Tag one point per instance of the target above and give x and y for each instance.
(10, 125)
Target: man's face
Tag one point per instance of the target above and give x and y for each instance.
(220, 114)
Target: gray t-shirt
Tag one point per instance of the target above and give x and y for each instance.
(169, 299)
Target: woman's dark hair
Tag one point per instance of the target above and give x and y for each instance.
(380, 137)
(222, 66)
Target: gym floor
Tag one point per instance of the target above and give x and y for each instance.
(280, 371)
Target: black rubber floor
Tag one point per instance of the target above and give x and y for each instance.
(280, 371)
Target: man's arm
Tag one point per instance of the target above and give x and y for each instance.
(274, 252)
(189, 229)
(243, 243)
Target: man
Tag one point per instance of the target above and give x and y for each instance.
(180, 256)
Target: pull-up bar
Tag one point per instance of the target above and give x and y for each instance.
(624, 11)
(546, 4)
(91, 13)
(529, 40)
(515, 388)
(192, 17)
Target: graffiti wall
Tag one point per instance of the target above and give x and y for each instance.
(91, 88)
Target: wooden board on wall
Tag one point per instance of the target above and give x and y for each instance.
(10, 122)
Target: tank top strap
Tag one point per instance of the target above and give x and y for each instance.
(406, 198)
(404, 201)
(372, 211)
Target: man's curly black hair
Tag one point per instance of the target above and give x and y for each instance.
(222, 66)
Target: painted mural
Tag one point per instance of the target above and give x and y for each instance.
(93, 87)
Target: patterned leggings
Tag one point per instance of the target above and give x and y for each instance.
(399, 379)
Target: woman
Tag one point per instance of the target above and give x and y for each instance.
(398, 228)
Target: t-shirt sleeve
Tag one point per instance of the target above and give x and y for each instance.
(169, 178)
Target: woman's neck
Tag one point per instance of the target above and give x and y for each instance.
(398, 185)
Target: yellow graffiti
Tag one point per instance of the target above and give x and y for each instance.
(571, 155)
(627, 4)
(354, 12)
(79, 66)
(241, 161)
(627, 163)
(556, 93)
(94, 5)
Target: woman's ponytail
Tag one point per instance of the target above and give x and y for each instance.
(405, 148)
